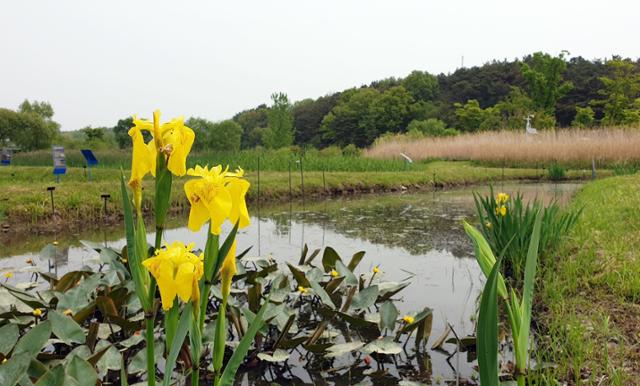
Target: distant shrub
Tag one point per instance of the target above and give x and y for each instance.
(351, 150)
(556, 171)
(430, 128)
(584, 117)
(331, 151)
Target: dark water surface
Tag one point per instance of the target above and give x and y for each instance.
(417, 235)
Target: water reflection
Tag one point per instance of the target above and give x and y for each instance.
(417, 235)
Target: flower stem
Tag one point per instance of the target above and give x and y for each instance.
(195, 376)
(151, 360)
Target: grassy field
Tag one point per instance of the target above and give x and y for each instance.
(25, 201)
(329, 159)
(591, 289)
(610, 148)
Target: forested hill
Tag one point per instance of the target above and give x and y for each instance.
(555, 90)
(499, 94)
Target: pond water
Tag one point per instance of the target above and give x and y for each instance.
(418, 235)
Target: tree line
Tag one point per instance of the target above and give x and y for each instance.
(556, 91)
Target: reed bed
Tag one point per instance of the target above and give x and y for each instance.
(572, 147)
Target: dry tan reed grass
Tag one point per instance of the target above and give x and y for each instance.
(571, 147)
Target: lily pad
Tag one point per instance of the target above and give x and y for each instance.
(365, 298)
(65, 328)
(277, 356)
(343, 348)
(385, 345)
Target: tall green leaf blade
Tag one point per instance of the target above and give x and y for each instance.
(229, 373)
(488, 330)
(485, 257)
(178, 339)
(527, 294)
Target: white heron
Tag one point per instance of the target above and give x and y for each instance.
(529, 129)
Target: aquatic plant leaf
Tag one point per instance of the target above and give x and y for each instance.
(55, 377)
(465, 343)
(388, 316)
(355, 260)
(424, 328)
(299, 276)
(365, 298)
(343, 348)
(81, 371)
(65, 328)
(388, 289)
(324, 296)
(349, 277)
(487, 340)
(25, 297)
(178, 340)
(229, 373)
(14, 369)
(69, 280)
(138, 363)
(329, 258)
(9, 334)
(277, 356)
(34, 340)
(522, 347)
(411, 383)
(442, 338)
(385, 345)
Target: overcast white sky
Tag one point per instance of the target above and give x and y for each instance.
(96, 62)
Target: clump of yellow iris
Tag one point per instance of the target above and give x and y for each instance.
(216, 196)
(173, 139)
(501, 210)
(177, 271)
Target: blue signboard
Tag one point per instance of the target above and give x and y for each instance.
(89, 157)
(6, 156)
(59, 162)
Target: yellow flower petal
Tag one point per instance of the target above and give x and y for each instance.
(228, 269)
(184, 281)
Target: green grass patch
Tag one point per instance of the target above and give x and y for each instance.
(591, 289)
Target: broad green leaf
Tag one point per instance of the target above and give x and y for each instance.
(388, 289)
(81, 371)
(299, 276)
(277, 356)
(343, 348)
(355, 260)
(324, 296)
(229, 373)
(329, 258)
(14, 369)
(385, 345)
(65, 328)
(139, 362)
(9, 334)
(388, 316)
(55, 377)
(365, 298)
(180, 334)
(34, 340)
(488, 329)
(345, 271)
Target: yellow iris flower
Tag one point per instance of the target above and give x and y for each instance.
(501, 210)
(408, 319)
(502, 198)
(218, 195)
(228, 270)
(172, 138)
(177, 271)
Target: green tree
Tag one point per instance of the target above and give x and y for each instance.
(93, 133)
(37, 127)
(225, 136)
(430, 128)
(307, 118)
(543, 75)
(470, 115)
(280, 122)
(347, 122)
(217, 136)
(121, 132)
(389, 112)
(620, 93)
(422, 85)
(584, 117)
(8, 126)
